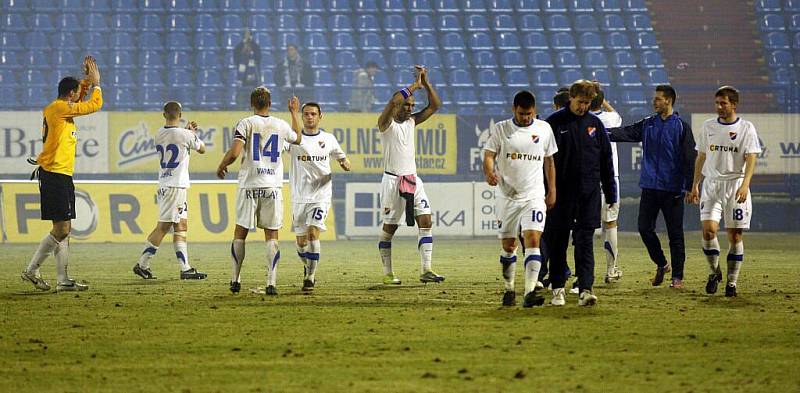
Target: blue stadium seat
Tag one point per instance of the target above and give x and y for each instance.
(436, 77)
(447, 6)
(613, 22)
(9, 60)
(314, 6)
(179, 60)
(422, 23)
(375, 57)
(657, 76)
(267, 61)
(149, 59)
(96, 40)
(36, 97)
(535, 40)
(629, 77)
(259, 23)
(344, 41)
(320, 60)
(567, 59)
(772, 22)
(455, 60)
(609, 6)
(151, 6)
(768, 6)
(540, 59)
(371, 41)
(367, 6)
(503, 23)
(517, 78)
(639, 22)
(563, 40)
(178, 22)
(65, 58)
(448, 22)
(402, 76)
(206, 41)
(11, 41)
(500, 6)
(475, 6)
(466, 99)
(128, 6)
(477, 23)
(178, 41)
(652, 59)
(568, 76)
(122, 59)
(586, 22)
(316, 41)
(589, 41)
(287, 23)
(420, 6)
(15, 7)
(634, 97)
(14, 23)
(381, 80)
(480, 41)
(401, 60)
(43, 23)
(345, 78)
(492, 97)
(461, 78)
(531, 22)
(37, 40)
(264, 40)
(617, 40)
(206, 23)
(151, 96)
(181, 7)
(453, 41)
(69, 22)
(544, 78)
(485, 59)
(780, 58)
(393, 6)
(394, 23)
(512, 59)
(340, 23)
(122, 78)
(209, 78)
(595, 59)
(64, 41)
(232, 23)
(646, 40)
(123, 22)
(581, 6)
(122, 41)
(796, 41)
(425, 41)
(43, 6)
(792, 6)
(525, 6)
(148, 77)
(328, 97)
(635, 6)
(508, 41)
(367, 22)
(601, 75)
(623, 59)
(7, 78)
(558, 22)
(782, 76)
(151, 22)
(36, 78)
(396, 41)
(286, 6)
(553, 6)
(430, 59)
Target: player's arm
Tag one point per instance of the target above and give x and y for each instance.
(394, 104)
(230, 156)
(434, 102)
(345, 164)
(631, 133)
(749, 169)
(297, 124)
(607, 167)
(550, 176)
(95, 101)
(693, 196)
(689, 156)
(197, 144)
(488, 167)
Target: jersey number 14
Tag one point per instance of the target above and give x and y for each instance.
(270, 149)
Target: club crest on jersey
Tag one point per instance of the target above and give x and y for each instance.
(321, 144)
(732, 134)
(535, 138)
(590, 131)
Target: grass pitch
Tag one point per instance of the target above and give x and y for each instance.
(126, 334)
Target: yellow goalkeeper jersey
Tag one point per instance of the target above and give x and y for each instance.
(59, 134)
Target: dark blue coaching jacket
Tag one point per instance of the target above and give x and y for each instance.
(583, 161)
(668, 152)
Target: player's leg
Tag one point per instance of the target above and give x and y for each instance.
(273, 257)
(649, 206)
(584, 264)
(142, 267)
(314, 253)
(608, 217)
(180, 230)
(245, 219)
(270, 218)
(508, 263)
(673, 218)
(531, 220)
(711, 207)
(557, 240)
(300, 229)
(422, 213)
(393, 207)
(735, 259)
(301, 244)
(737, 219)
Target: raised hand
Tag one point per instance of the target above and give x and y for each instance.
(191, 126)
(91, 70)
(294, 104)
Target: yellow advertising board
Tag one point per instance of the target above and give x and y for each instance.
(126, 212)
(132, 147)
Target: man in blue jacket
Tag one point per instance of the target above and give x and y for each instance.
(667, 172)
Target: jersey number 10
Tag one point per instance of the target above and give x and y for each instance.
(271, 148)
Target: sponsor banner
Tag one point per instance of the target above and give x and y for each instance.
(21, 137)
(132, 134)
(451, 210)
(127, 212)
(484, 207)
(779, 135)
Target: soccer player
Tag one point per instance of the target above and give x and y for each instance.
(401, 188)
(310, 179)
(609, 212)
(173, 144)
(259, 139)
(668, 157)
(727, 149)
(583, 163)
(514, 156)
(56, 166)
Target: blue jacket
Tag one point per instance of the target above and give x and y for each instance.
(668, 151)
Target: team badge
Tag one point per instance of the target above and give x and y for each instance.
(321, 144)
(732, 134)
(591, 131)
(535, 138)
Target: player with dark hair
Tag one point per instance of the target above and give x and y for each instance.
(516, 157)
(56, 166)
(561, 99)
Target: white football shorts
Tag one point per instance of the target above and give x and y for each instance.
(259, 207)
(511, 215)
(172, 206)
(394, 206)
(305, 215)
(718, 200)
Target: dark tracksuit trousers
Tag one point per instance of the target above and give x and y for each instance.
(670, 204)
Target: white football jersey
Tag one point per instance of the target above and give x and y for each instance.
(725, 146)
(174, 145)
(399, 149)
(263, 138)
(520, 157)
(310, 172)
(611, 120)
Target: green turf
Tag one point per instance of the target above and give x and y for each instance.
(126, 334)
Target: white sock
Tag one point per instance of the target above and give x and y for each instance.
(182, 253)
(46, 247)
(273, 256)
(509, 262)
(533, 263)
(314, 249)
(147, 254)
(425, 246)
(735, 258)
(237, 258)
(61, 253)
(610, 246)
(301, 253)
(711, 250)
(385, 249)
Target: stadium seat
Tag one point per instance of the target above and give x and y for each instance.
(316, 41)
(425, 41)
(367, 23)
(508, 41)
(492, 97)
(485, 59)
(448, 22)
(589, 41)
(569, 76)
(65, 58)
(259, 23)
(151, 60)
(177, 23)
(512, 59)
(375, 57)
(639, 22)
(422, 23)
(179, 60)
(402, 76)
(371, 41)
(149, 77)
(35, 78)
(531, 22)
(475, 6)
(14, 23)
(396, 41)
(623, 59)
(96, 40)
(264, 40)
(345, 78)
(151, 23)
(567, 59)
(595, 59)
(792, 5)
(43, 6)
(401, 60)
(328, 97)
(287, 23)
(8, 78)
(517, 78)
(286, 6)
(601, 75)
(465, 98)
(314, 6)
(780, 58)
(460, 78)
(62, 41)
(366, 6)
(646, 40)
(503, 23)
(553, 6)
(635, 6)
(430, 59)
(477, 23)
(324, 78)
(613, 22)
(42, 23)
(69, 22)
(36, 97)
(563, 40)
(9, 60)
(634, 97)
(209, 78)
(178, 41)
(480, 41)
(447, 6)
(393, 6)
(320, 60)
(535, 40)
(122, 59)
(796, 41)
(453, 41)
(629, 77)
(122, 78)
(343, 41)
(151, 6)
(657, 76)
(558, 22)
(540, 59)
(180, 6)
(586, 22)
(37, 40)
(420, 6)
(782, 77)
(437, 77)
(12, 41)
(232, 23)
(394, 23)
(151, 96)
(609, 6)
(652, 59)
(581, 6)
(205, 23)
(123, 22)
(526, 6)
(381, 80)
(500, 6)
(340, 23)
(122, 41)
(206, 41)
(772, 22)
(768, 6)
(455, 60)
(617, 41)
(544, 78)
